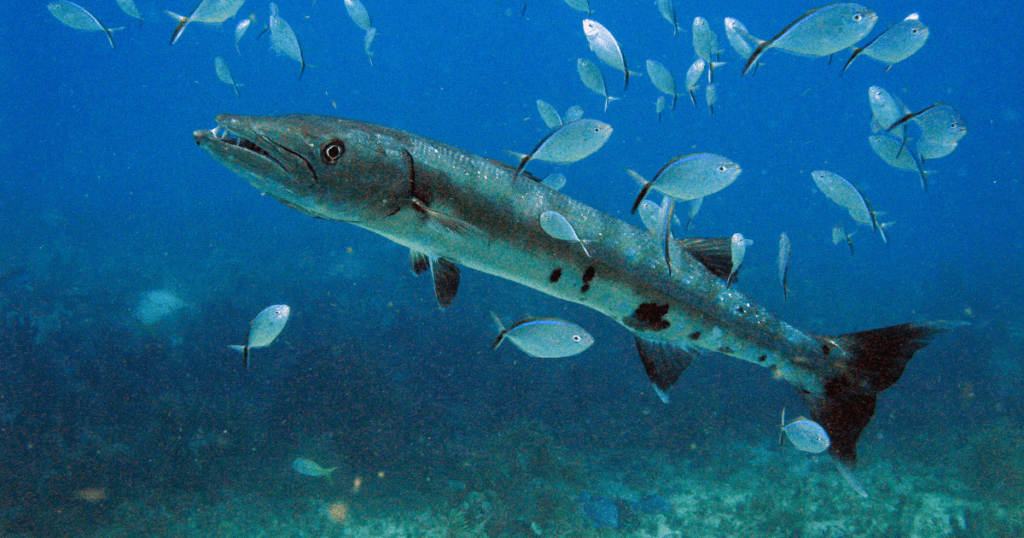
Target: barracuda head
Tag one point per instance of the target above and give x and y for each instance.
(326, 167)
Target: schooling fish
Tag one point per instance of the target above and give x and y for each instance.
(738, 250)
(662, 79)
(820, 32)
(208, 12)
(705, 44)
(942, 127)
(569, 143)
(805, 434)
(224, 73)
(309, 467)
(785, 249)
(263, 329)
(897, 43)
(78, 17)
(668, 12)
(558, 227)
(692, 176)
(283, 39)
(592, 78)
(357, 12)
(693, 77)
(549, 114)
(375, 177)
(606, 47)
(241, 28)
(545, 338)
(843, 193)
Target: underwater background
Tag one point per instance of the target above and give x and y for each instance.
(116, 420)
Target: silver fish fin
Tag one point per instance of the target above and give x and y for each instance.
(873, 361)
(664, 363)
(446, 280)
(501, 331)
(715, 253)
(418, 261)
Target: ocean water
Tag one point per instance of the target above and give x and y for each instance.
(122, 419)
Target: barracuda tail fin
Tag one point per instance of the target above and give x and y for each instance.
(876, 361)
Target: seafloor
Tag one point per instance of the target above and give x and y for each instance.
(521, 483)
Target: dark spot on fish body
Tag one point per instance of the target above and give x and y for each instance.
(588, 275)
(648, 317)
(695, 335)
(725, 349)
(555, 275)
(825, 349)
(762, 358)
(740, 310)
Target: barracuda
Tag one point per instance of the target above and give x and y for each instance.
(452, 208)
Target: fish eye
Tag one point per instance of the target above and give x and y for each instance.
(721, 168)
(332, 151)
(576, 338)
(857, 17)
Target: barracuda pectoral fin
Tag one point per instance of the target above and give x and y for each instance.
(664, 363)
(875, 361)
(715, 253)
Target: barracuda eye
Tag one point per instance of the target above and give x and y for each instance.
(332, 151)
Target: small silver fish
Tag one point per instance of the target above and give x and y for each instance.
(662, 79)
(78, 17)
(693, 77)
(606, 47)
(897, 153)
(897, 43)
(820, 32)
(711, 96)
(371, 34)
(129, 8)
(308, 467)
(580, 5)
(572, 114)
(283, 39)
(224, 73)
(839, 235)
(357, 12)
(942, 127)
(569, 143)
(705, 44)
(558, 227)
(660, 106)
(738, 249)
(805, 434)
(692, 176)
(668, 11)
(549, 115)
(207, 12)
(264, 329)
(742, 41)
(241, 28)
(785, 249)
(592, 78)
(545, 338)
(842, 192)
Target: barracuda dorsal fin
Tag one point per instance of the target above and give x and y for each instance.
(664, 363)
(875, 361)
(715, 253)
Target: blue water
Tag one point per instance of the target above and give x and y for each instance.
(104, 196)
